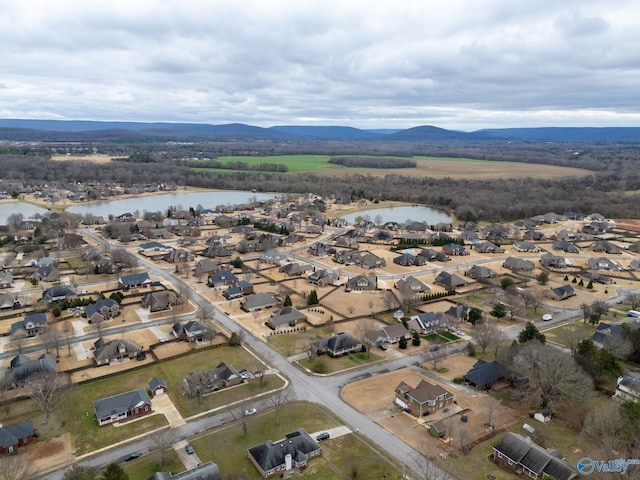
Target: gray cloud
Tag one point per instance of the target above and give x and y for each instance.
(459, 64)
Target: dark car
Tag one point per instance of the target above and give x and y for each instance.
(189, 449)
(323, 436)
(133, 456)
(383, 347)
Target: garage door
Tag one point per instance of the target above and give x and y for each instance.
(159, 391)
(401, 403)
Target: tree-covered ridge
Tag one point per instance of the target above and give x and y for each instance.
(373, 162)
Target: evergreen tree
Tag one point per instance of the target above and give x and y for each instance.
(114, 472)
(402, 344)
(287, 301)
(312, 299)
(416, 339)
(531, 332)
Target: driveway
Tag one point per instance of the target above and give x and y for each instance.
(189, 461)
(163, 405)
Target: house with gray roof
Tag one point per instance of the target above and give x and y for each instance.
(450, 281)
(553, 261)
(16, 435)
(295, 269)
(427, 322)
(516, 264)
(157, 386)
(322, 277)
(6, 279)
(24, 371)
(603, 263)
(58, 292)
(489, 247)
(606, 247)
(224, 375)
(258, 301)
(627, 389)
(411, 286)
(159, 301)
(46, 274)
(478, 272)
(515, 453)
(361, 282)
(285, 317)
(526, 246)
(293, 451)
(485, 375)
(423, 399)
(562, 293)
(565, 246)
(203, 471)
(336, 345)
(134, 280)
(107, 352)
(103, 309)
(123, 406)
(7, 300)
(32, 325)
(221, 279)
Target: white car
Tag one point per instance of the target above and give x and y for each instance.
(460, 333)
(249, 411)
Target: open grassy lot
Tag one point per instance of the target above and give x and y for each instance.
(569, 333)
(435, 167)
(327, 365)
(340, 457)
(145, 466)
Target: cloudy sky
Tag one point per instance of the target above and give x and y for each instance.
(461, 64)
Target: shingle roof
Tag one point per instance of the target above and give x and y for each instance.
(483, 373)
(11, 434)
(270, 455)
(123, 402)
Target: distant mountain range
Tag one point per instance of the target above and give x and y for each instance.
(80, 130)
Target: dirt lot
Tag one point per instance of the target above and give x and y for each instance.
(374, 396)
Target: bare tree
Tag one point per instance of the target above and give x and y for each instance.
(487, 334)
(586, 311)
(364, 332)
(570, 335)
(549, 377)
(532, 299)
(633, 299)
(427, 469)
(14, 222)
(16, 467)
(47, 394)
(434, 356)
(163, 442)
(50, 338)
(278, 400)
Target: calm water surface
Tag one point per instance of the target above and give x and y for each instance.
(402, 214)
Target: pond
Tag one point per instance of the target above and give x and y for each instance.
(27, 210)
(428, 215)
(162, 202)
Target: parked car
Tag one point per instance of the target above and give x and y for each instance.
(189, 449)
(383, 347)
(323, 436)
(133, 456)
(249, 411)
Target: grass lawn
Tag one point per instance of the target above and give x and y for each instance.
(295, 163)
(228, 446)
(145, 466)
(292, 343)
(449, 336)
(333, 365)
(569, 332)
(77, 414)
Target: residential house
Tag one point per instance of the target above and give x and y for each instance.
(203, 471)
(561, 293)
(206, 267)
(516, 264)
(427, 322)
(159, 301)
(103, 309)
(179, 255)
(347, 242)
(550, 260)
(153, 248)
(459, 312)
(383, 236)
(46, 274)
(449, 281)
(627, 389)
(526, 246)
(609, 336)
(293, 451)
(107, 352)
(606, 247)
(369, 261)
(565, 246)
(411, 286)
(434, 256)
(469, 236)
(191, 331)
(123, 406)
(488, 247)
(99, 263)
(408, 260)
(516, 453)
(224, 375)
(6, 279)
(322, 277)
(32, 325)
(361, 282)
(634, 247)
(273, 258)
(157, 386)
(423, 399)
(16, 435)
(295, 269)
(394, 332)
(24, 371)
(454, 249)
(134, 280)
(58, 292)
(7, 300)
(238, 290)
(285, 317)
(222, 279)
(258, 301)
(336, 345)
(217, 251)
(602, 263)
(486, 375)
(478, 272)
(596, 277)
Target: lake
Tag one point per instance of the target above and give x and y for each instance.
(26, 209)
(162, 202)
(402, 214)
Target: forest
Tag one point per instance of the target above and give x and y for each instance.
(613, 188)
